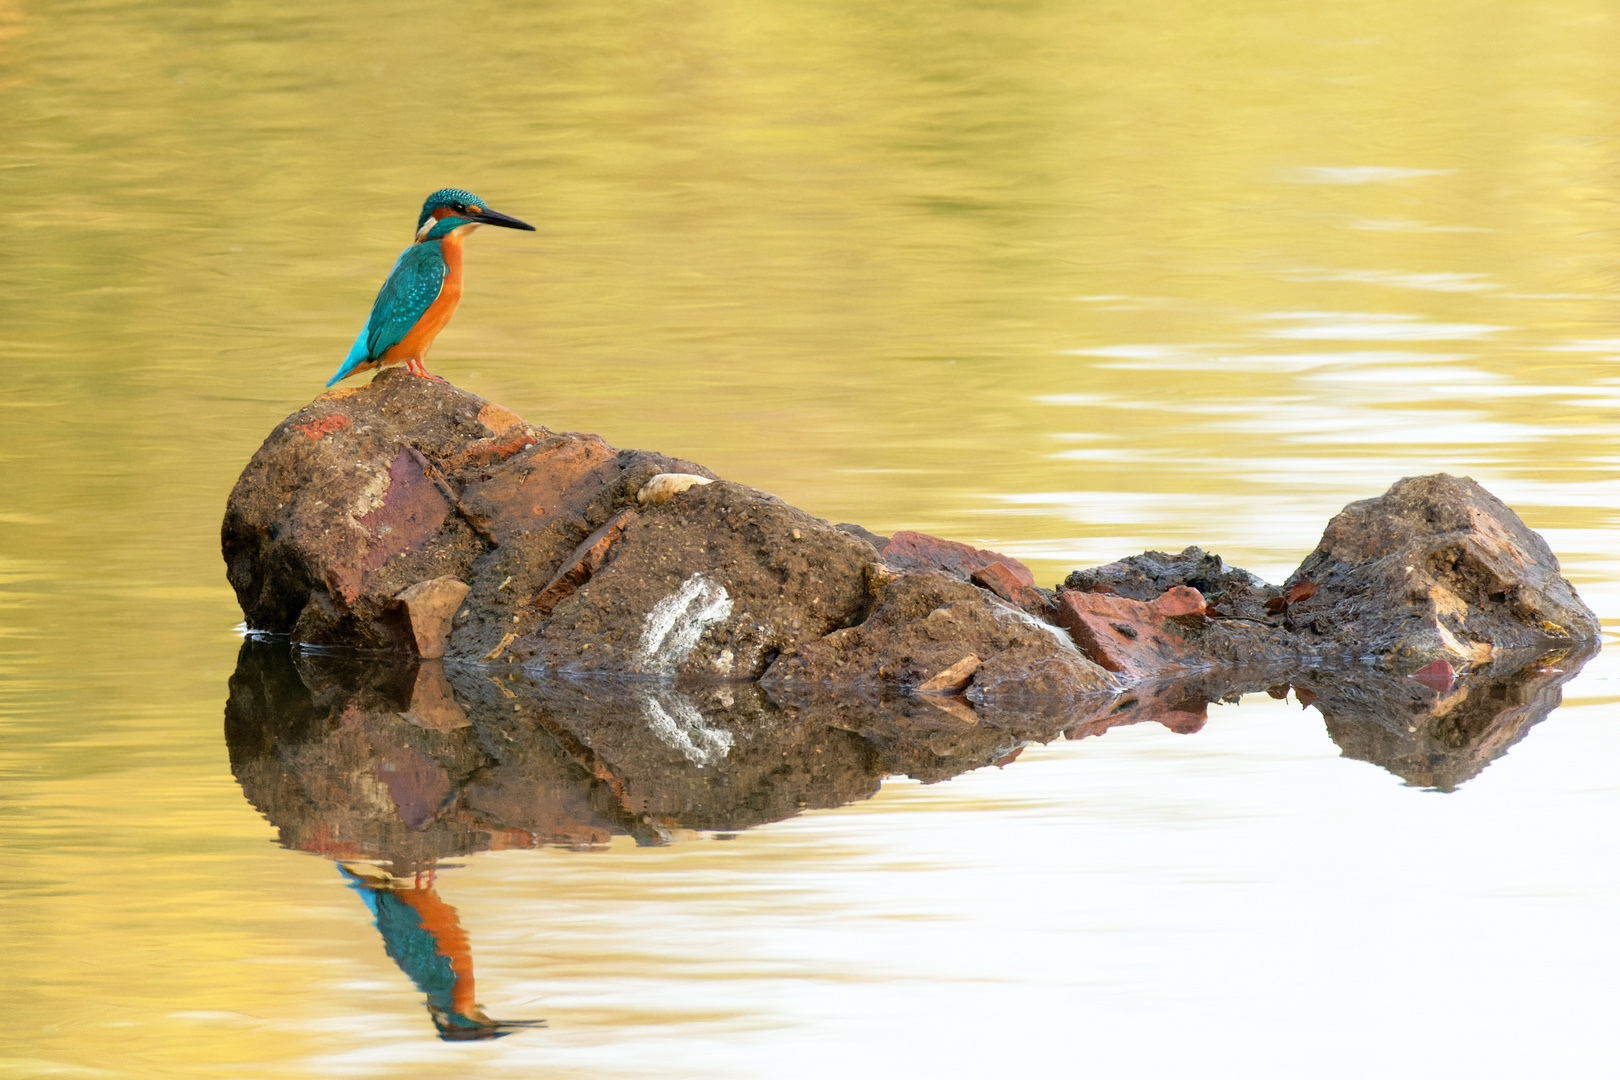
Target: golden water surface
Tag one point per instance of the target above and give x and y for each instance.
(1069, 279)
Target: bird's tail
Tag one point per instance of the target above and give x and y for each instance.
(357, 360)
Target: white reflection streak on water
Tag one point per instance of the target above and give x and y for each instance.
(1395, 279)
(1344, 326)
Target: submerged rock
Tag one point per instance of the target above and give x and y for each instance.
(411, 517)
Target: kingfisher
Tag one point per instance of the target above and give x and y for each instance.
(424, 287)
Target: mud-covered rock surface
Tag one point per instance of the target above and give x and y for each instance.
(409, 517)
(927, 622)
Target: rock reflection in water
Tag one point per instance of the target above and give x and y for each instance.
(1433, 730)
(389, 766)
(414, 761)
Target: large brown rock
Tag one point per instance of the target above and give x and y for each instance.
(408, 516)
(371, 490)
(412, 517)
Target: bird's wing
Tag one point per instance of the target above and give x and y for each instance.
(410, 290)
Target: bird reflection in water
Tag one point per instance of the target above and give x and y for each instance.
(424, 937)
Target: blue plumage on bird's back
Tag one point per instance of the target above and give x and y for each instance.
(410, 290)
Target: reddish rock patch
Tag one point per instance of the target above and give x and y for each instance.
(412, 511)
(919, 551)
(498, 418)
(1123, 635)
(496, 448)
(548, 483)
(1000, 579)
(317, 429)
(1179, 601)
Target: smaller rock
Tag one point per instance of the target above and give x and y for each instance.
(665, 486)
(919, 551)
(1123, 635)
(1148, 575)
(1179, 601)
(1001, 580)
(1436, 568)
(430, 606)
(954, 679)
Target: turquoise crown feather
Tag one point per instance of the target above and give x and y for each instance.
(447, 197)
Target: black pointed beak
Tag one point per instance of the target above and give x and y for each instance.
(495, 217)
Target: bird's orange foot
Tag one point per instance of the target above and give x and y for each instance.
(417, 368)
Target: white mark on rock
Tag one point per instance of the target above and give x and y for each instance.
(676, 622)
(683, 727)
(1005, 612)
(371, 495)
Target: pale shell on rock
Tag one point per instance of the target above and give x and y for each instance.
(665, 486)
